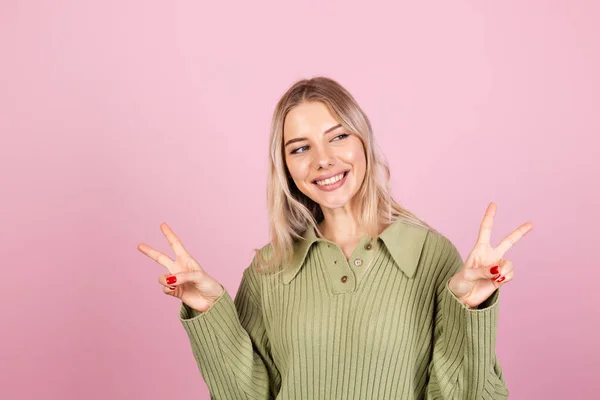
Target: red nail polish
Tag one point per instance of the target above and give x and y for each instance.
(172, 287)
(171, 280)
(494, 270)
(500, 279)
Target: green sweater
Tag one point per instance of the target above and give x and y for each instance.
(381, 325)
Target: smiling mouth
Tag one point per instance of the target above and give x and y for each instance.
(338, 178)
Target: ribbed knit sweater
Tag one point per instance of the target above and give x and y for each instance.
(380, 325)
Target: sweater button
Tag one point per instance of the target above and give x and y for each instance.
(368, 246)
(344, 279)
(358, 262)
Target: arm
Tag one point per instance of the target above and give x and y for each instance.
(230, 344)
(464, 363)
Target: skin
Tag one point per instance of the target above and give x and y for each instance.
(475, 282)
(193, 285)
(323, 153)
(328, 153)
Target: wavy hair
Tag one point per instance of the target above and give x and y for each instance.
(290, 211)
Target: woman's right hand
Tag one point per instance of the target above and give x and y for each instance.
(192, 285)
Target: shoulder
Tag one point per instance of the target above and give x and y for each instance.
(256, 270)
(265, 251)
(428, 242)
(439, 243)
(441, 253)
(258, 277)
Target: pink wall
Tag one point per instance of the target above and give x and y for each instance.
(118, 115)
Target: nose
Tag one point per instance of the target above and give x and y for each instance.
(325, 158)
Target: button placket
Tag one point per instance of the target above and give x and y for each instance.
(341, 276)
(362, 258)
(361, 253)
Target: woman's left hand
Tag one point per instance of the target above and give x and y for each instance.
(485, 270)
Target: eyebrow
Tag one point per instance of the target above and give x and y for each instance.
(301, 138)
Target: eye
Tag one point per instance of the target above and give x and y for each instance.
(343, 134)
(297, 151)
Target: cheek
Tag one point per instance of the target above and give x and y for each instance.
(356, 156)
(298, 168)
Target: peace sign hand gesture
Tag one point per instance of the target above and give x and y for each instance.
(485, 270)
(186, 280)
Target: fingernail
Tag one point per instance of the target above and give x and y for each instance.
(171, 280)
(494, 270)
(500, 279)
(172, 287)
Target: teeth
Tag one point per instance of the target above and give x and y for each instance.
(331, 180)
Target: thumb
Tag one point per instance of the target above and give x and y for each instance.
(183, 277)
(473, 274)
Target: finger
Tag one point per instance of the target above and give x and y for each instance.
(501, 268)
(504, 279)
(475, 274)
(162, 279)
(504, 270)
(183, 277)
(169, 291)
(156, 256)
(173, 240)
(513, 238)
(180, 278)
(485, 229)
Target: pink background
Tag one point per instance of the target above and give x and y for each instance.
(118, 115)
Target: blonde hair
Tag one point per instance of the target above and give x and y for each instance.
(290, 211)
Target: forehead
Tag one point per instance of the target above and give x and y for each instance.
(308, 118)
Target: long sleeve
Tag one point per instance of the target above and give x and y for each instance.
(464, 363)
(230, 344)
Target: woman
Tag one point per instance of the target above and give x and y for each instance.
(354, 297)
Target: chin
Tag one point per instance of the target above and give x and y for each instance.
(332, 202)
(327, 200)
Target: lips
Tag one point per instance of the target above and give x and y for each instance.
(333, 186)
(323, 177)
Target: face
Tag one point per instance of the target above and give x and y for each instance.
(318, 148)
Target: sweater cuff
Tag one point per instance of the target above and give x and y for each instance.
(477, 326)
(487, 303)
(187, 313)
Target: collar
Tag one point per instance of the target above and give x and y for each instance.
(404, 242)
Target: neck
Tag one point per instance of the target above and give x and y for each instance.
(340, 226)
